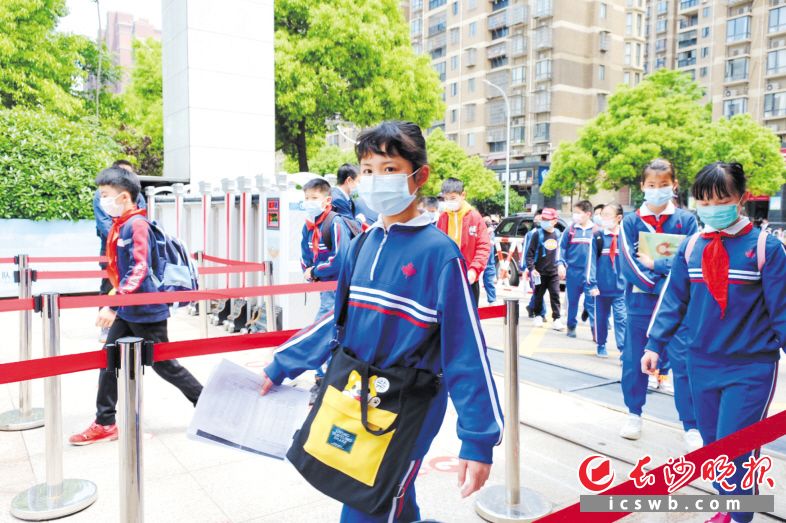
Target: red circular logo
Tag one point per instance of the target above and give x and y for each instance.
(595, 473)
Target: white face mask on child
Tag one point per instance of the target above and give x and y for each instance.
(110, 206)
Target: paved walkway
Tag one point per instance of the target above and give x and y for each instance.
(196, 482)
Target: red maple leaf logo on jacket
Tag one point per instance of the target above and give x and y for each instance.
(409, 270)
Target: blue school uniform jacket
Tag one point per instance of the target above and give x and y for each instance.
(409, 285)
(601, 273)
(575, 248)
(754, 325)
(135, 248)
(328, 261)
(644, 285)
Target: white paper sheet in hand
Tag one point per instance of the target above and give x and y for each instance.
(231, 412)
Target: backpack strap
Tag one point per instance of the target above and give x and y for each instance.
(690, 246)
(326, 230)
(343, 295)
(761, 249)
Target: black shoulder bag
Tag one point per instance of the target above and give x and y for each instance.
(357, 441)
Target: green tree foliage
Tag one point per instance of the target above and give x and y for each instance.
(661, 117)
(352, 57)
(48, 164)
(141, 129)
(38, 65)
(496, 204)
(447, 159)
(741, 139)
(327, 160)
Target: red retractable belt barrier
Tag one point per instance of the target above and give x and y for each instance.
(65, 259)
(16, 304)
(225, 261)
(67, 275)
(6, 260)
(232, 269)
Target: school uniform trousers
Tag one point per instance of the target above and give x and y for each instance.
(604, 307)
(170, 370)
(575, 286)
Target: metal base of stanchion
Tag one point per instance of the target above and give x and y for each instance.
(492, 505)
(34, 504)
(16, 420)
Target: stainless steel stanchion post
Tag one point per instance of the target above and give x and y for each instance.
(270, 315)
(511, 502)
(130, 426)
(203, 305)
(25, 417)
(57, 497)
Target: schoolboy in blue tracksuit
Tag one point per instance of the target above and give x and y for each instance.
(130, 248)
(728, 284)
(523, 266)
(645, 279)
(604, 279)
(574, 254)
(409, 284)
(319, 261)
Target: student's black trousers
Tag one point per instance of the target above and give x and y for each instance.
(548, 282)
(170, 370)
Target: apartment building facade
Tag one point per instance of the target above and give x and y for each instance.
(734, 49)
(119, 34)
(557, 61)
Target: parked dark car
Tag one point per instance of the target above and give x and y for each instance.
(510, 242)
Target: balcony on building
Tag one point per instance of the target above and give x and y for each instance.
(542, 132)
(737, 70)
(542, 102)
(543, 70)
(437, 45)
(776, 22)
(543, 9)
(518, 15)
(416, 6)
(776, 64)
(603, 43)
(496, 5)
(542, 38)
(687, 6)
(775, 105)
(686, 59)
(689, 21)
(518, 45)
(433, 4)
(687, 39)
(501, 79)
(497, 54)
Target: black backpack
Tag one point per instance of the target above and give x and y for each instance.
(326, 228)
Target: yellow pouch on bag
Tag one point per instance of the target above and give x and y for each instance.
(339, 440)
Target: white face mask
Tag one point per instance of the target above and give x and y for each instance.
(578, 217)
(110, 206)
(386, 194)
(452, 205)
(609, 224)
(313, 208)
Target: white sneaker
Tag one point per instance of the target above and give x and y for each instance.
(652, 383)
(667, 384)
(632, 427)
(558, 325)
(537, 321)
(692, 440)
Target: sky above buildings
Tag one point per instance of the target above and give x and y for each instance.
(82, 17)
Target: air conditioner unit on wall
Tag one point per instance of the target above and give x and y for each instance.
(727, 93)
(772, 86)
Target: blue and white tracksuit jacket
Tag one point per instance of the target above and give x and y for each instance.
(606, 276)
(327, 263)
(135, 251)
(409, 284)
(733, 360)
(574, 253)
(643, 286)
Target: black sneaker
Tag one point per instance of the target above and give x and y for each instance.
(584, 315)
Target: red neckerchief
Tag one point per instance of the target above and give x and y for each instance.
(613, 248)
(656, 223)
(111, 244)
(715, 265)
(316, 234)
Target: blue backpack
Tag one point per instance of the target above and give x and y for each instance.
(173, 269)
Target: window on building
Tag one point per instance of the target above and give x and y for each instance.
(638, 55)
(416, 27)
(687, 39)
(543, 70)
(542, 132)
(469, 113)
(628, 53)
(471, 85)
(433, 4)
(777, 21)
(736, 69)
(437, 24)
(686, 58)
(735, 106)
(603, 10)
(542, 8)
(706, 12)
(542, 101)
(453, 115)
(705, 52)
(703, 72)
(662, 7)
(499, 61)
(639, 25)
(705, 32)
(637, 79)
(517, 134)
(416, 5)
(775, 104)
(471, 57)
(602, 102)
(518, 75)
(497, 147)
(738, 29)
(470, 139)
(473, 28)
(660, 45)
(626, 78)
(454, 62)
(601, 72)
(455, 36)
(440, 69)
(454, 89)
(660, 26)
(660, 63)
(500, 32)
(629, 24)
(455, 8)
(518, 44)
(776, 61)
(604, 40)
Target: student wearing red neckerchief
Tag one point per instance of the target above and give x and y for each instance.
(645, 278)
(717, 285)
